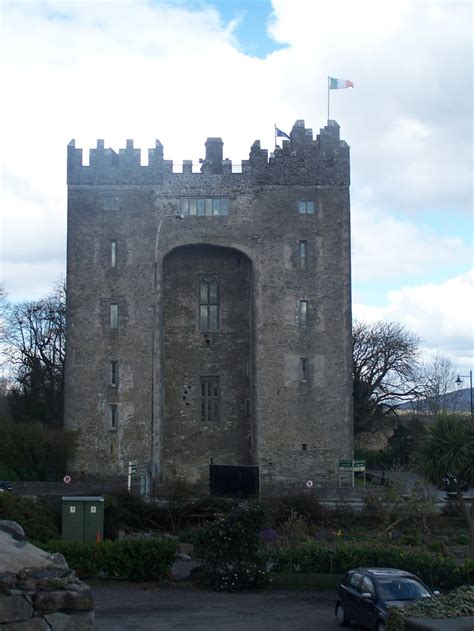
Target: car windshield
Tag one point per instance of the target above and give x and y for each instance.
(401, 589)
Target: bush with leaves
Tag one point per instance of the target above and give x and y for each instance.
(125, 511)
(459, 602)
(33, 451)
(37, 519)
(313, 557)
(231, 553)
(134, 559)
(303, 504)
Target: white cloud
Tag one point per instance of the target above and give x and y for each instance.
(439, 313)
(385, 247)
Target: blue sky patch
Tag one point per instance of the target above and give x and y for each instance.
(251, 32)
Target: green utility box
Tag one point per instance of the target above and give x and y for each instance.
(83, 519)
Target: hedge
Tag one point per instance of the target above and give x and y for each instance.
(433, 569)
(134, 559)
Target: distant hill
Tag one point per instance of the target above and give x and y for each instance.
(456, 401)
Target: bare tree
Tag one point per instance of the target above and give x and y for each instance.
(34, 344)
(438, 390)
(385, 368)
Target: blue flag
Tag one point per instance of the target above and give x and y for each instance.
(281, 134)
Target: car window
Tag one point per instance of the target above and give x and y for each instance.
(402, 588)
(367, 586)
(352, 580)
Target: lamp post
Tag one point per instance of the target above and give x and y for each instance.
(154, 337)
(459, 383)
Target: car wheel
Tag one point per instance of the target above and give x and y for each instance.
(341, 615)
(380, 626)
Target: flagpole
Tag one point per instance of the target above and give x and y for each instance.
(328, 100)
(275, 134)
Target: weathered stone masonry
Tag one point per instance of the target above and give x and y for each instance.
(261, 381)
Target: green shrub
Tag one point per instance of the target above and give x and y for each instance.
(125, 511)
(312, 557)
(303, 504)
(436, 546)
(231, 552)
(459, 602)
(36, 518)
(134, 559)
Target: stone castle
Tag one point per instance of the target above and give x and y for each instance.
(209, 315)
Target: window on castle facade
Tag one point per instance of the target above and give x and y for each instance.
(111, 202)
(306, 207)
(304, 369)
(210, 407)
(114, 373)
(114, 316)
(303, 254)
(209, 304)
(303, 313)
(204, 206)
(113, 416)
(113, 253)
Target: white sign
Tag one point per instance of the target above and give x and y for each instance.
(72, 509)
(67, 479)
(93, 509)
(309, 483)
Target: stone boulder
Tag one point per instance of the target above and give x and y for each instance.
(37, 589)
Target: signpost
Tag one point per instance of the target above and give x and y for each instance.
(132, 470)
(351, 466)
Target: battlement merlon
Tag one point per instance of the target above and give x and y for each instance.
(300, 160)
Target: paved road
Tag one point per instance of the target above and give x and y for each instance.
(125, 606)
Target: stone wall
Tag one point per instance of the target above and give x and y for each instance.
(38, 592)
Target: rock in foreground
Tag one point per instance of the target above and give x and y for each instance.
(37, 589)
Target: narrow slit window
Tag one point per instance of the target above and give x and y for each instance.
(304, 369)
(209, 304)
(113, 416)
(114, 316)
(210, 404)
(113, 253)
(114, 373)
(303, 313)
(303, 255)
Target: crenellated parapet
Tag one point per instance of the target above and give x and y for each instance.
(300, 160)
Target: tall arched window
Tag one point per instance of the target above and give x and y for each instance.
(209, 304)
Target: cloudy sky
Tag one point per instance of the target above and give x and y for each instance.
(182, 70)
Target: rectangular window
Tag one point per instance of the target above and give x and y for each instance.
(303, 254)
(114, 316)
(306, 207)
(209, 304)
(204, 206)
(303, 313)
(304, 369)
(111, 202)
(114, 373)
(210, 412)
(113, 253)
(113, 416)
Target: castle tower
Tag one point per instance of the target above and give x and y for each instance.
(209, 316)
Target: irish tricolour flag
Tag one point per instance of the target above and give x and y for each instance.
(338, 84)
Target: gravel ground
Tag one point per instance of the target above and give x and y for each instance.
(126, 606)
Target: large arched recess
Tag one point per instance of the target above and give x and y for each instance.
(208, 362)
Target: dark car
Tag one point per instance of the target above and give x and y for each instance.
(5, 486)
(365, 595)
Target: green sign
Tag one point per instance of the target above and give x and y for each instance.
(345, 464)
(359, 465)
(132, 468)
